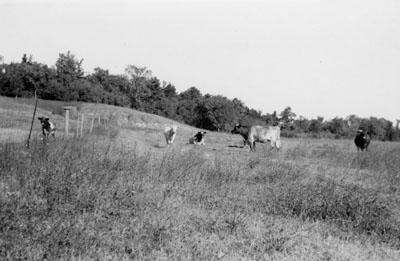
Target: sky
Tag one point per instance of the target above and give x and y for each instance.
(329, 58)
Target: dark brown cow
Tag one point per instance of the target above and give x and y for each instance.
(362, 140)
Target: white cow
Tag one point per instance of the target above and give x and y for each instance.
(256, 133)
(170, 133)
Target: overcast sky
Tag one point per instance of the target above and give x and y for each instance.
(320, 57)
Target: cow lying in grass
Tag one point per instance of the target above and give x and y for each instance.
(198, 139)
(48, 127)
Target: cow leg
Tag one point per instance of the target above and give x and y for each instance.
(272, 142)
(247, 142)
(254, 146)
(278, 144)
(250, 145)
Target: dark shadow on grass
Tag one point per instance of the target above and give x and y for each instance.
(236, 146)
(158, 146)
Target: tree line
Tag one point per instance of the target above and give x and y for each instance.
(137, 88)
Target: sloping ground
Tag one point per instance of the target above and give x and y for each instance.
(126, 117)
(16, 118)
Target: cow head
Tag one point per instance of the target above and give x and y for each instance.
(362, 133)
(281, 125)
(44, 120)
(236, 129)
(174, 129)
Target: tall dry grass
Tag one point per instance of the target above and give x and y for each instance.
(91, 199)
(122, 194)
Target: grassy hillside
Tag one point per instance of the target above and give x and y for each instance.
(16, 118)
(122, 194)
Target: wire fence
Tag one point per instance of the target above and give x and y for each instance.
(15, 124)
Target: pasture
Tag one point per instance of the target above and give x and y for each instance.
(123, 194)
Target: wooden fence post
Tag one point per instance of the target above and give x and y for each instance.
(83, 119)
(66, 109)
(33, 118)
(77, 125)
(91, 124)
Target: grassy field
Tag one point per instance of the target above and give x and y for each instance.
(122, 194)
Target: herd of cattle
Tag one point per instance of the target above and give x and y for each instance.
(250, 134)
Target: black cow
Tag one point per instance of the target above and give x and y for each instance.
(362, 140)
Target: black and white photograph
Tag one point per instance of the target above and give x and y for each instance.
(200, 130)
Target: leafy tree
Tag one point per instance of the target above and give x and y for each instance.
(191, 94)
(169, 91)
(337, 126)
(26, 59)
(69, 70)
(153, 96)
(396, 131)
(187, 102)
(287, 116)
(353, 123)
(115, 88)
(271, 119)
(21, 79)
(169, 101)
(138, 77)
(316, 125)
(239, 106)
(302, 124)
(389, 131)
(216, 113)
(2, 67)
(376, 127)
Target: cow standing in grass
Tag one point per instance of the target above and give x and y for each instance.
(170, 133)
(198, 138)
(48, 127)
(256, 133)
(362, 140)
